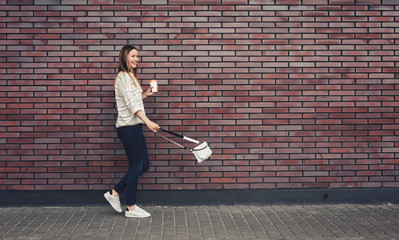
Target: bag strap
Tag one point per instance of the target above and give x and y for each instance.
(193, 150)
(173, 133)
(170, 140)
(181, 136)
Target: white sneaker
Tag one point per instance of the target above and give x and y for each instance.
(114, 201)
(137, 212)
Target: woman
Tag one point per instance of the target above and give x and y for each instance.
(131, 116)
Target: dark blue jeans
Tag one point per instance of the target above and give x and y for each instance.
(136, 151)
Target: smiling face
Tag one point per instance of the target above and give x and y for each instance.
(132, 59)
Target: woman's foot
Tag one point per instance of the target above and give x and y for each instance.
(114, 201)
(114, 193)
(136, 212)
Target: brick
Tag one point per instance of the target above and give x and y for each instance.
(263, 83)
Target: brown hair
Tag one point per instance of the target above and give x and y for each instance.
(124, 67)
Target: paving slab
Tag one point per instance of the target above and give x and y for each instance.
(330, 221)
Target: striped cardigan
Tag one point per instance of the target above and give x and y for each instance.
(129, 100)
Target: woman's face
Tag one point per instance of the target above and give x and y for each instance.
(132, 59)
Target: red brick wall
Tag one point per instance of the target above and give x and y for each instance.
(289, 94)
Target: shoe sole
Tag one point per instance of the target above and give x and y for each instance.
(137, 216)
(110, 202)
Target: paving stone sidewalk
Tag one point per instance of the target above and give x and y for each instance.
(341, 221)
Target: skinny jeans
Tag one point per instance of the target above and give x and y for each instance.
(136, 151)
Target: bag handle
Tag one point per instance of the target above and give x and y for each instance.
(170, 140)
(173, 133)
(181, 136)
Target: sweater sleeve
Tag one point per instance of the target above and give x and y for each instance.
(130, 95)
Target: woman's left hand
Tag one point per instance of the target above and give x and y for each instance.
(152, 126)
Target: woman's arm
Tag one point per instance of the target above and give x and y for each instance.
(148, 93)
(150, 124)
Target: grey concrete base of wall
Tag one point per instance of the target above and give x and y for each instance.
(204, 197)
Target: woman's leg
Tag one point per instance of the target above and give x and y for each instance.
(146, 160)
(136, 151)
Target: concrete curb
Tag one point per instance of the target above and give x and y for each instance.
(205, 197)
